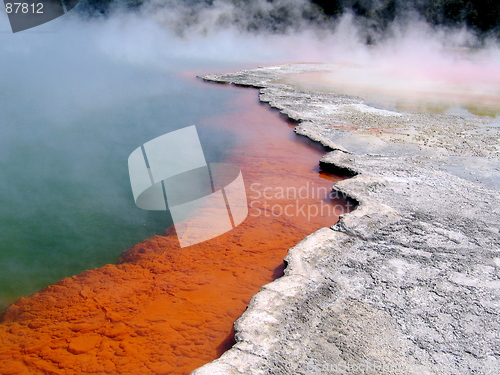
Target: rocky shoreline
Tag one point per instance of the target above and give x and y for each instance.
(408, 283)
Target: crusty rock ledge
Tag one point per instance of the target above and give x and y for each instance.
(406, 284)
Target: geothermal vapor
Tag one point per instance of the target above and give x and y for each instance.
(409, 46)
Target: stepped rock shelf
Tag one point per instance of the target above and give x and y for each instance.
(408, 283)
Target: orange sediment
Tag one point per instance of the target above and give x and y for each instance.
(165, 309)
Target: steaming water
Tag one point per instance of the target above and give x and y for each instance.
(76, 97)
(64, 189)
(69, 117)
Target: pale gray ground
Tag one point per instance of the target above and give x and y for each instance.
(409, 282)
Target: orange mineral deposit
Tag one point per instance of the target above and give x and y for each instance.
(168, 310)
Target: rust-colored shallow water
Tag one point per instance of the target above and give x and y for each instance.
(165, 309)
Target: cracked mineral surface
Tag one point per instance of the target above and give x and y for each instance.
(409, 282)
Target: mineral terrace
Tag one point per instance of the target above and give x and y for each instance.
(408, 283)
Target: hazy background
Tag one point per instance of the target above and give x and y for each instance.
(80, 93)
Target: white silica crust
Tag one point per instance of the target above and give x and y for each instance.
(405, 284)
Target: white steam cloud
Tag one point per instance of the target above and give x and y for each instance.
(410, 60)
(223, 34)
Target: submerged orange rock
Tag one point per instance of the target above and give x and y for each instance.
(167, 310)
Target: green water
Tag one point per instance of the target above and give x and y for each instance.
(65, 198)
